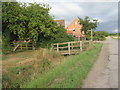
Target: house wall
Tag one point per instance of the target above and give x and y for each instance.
(75, 25)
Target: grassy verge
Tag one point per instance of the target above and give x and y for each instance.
(69, 74)
(20, 68)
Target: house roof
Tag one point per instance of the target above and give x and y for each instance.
(75, 19)
(62, 22)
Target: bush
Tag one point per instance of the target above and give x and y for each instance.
(45, 64)
(59, 36)
(6, 48)
(98, 35)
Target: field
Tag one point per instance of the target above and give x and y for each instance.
(47, 69)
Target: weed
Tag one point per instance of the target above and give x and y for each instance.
(44, 65)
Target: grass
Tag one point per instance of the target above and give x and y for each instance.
(69, 74)
(21, 67)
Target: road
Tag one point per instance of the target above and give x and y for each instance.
(104, 73)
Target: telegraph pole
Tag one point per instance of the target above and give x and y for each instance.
(91, 35)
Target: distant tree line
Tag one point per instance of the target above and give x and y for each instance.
(98, 35)
(21, 21)
(114, 34)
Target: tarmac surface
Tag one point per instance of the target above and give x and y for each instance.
(104, 73)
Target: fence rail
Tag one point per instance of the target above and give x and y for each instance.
(21, 46)
(74, 47)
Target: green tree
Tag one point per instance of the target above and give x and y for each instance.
(27, 21)
(87, 24)
(61, 35)
(22, 21)
(10, 23)
(11, 19)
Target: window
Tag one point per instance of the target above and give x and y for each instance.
(75, 23)
(74, 29)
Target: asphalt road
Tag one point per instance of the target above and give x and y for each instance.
(104, 73)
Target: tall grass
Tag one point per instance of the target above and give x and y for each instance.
(70, 74)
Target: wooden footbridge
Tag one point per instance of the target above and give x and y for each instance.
(75, 47)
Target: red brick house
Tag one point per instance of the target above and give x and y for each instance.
(74, 28)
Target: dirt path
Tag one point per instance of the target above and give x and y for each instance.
(104, 73)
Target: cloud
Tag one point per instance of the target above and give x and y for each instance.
(105, 10)
(57, 10)
(65, 9)
(68, 1)
(115, 31)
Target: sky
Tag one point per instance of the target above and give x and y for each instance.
(106, 11)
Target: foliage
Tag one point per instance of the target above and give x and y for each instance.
(27, 21)
(114, 34)
(87, 24)
(59, 36)
(104, 33)
(6, 48)
(32, 21)
(98, 35)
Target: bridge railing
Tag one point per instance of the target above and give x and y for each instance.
(74, 47)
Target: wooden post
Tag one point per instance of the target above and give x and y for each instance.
(33, 47)
(16, 47)
(57, 47)
(21, 46)
(51, 47)
(69, 48)
(80, 45)
(26, 46)
(72, 45)
(89, 45)
(91, 35)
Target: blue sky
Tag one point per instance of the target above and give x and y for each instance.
(105, 10)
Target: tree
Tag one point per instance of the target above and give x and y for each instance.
(27, 21)
(21, 21)
(87, 24)
(11, 19)
(10, 23)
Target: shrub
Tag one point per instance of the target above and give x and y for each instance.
(98, 35)
(6, 48)
(59, 36)
(44, 64)
(45, 53)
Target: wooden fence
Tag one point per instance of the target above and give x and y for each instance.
(21, 46)
(75, 47)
